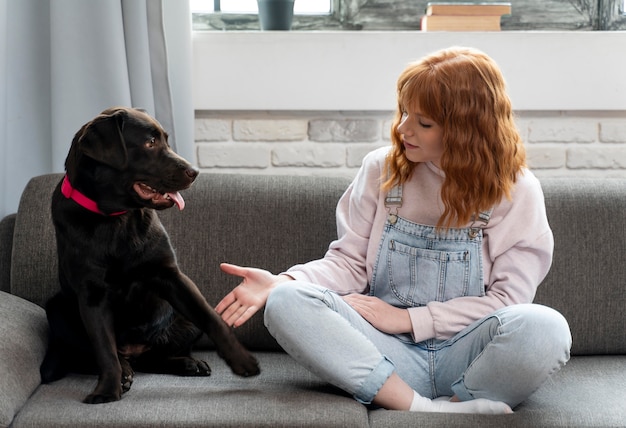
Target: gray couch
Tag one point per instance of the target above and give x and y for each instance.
(275, 222)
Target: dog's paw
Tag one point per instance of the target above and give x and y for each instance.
(127, 382)
(245, 365)
(128, 375)
(101, 398)
(109, 389)
(195, 367)
(203, 368)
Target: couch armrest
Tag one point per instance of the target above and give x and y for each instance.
(24, 337)
(6, 248)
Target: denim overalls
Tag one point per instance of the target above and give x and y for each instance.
(418, 264)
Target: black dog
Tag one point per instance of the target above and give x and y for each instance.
(124, 304)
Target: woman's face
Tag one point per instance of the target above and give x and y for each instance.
(422, 137)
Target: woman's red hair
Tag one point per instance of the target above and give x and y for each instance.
(462, 90)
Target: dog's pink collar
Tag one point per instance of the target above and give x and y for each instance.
(82, 200)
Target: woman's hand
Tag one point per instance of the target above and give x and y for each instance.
(247, 298)
(380, 314)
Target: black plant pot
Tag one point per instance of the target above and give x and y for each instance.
(275, 14)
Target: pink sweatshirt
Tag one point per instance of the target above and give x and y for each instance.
(517, 246)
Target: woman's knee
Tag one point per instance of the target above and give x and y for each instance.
(279, 300)
(290, 299)
(288, 294)
(279, 295)
(540, 324)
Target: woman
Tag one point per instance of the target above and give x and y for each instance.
(443, 240)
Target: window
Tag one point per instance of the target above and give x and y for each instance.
(301, 7)
(404, 15)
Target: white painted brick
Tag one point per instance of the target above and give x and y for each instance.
(270, 130)
(344, 130)
(522, 125)
(387, 129)
(613, 131)
(231, 155)
(212, 130)
(563, 131)
(308, 155)
(356, 152)
(277, 144)
(543, 156)
(580, 173)
(603, 157)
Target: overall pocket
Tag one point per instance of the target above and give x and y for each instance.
(418, 276)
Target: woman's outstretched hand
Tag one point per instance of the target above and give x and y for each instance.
(247, 298)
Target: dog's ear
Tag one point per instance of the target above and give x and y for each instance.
(102, 140)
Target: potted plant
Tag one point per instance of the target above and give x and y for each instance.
(275, 14)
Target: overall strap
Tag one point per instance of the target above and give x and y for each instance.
(479, 222)
(393, 201)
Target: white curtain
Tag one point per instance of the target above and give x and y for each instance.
(64, 61)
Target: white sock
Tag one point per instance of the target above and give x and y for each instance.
(479, 405)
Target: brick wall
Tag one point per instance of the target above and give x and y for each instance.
(333, 143)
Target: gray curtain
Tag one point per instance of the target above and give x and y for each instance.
(64, 61)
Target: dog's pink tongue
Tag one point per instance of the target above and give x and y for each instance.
(178, 199)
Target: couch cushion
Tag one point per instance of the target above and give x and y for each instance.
(587, 279)
(284, 394)
(587, 392)
(23, 339)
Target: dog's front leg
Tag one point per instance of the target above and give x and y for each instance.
(98, 322)
(185, 297)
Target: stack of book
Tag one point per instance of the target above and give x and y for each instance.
(464, 16)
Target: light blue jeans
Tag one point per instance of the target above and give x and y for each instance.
(505, 356)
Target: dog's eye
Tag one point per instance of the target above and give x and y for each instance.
(150, 143)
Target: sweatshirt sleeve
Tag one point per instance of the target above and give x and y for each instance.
(343, 268)
(517, 255)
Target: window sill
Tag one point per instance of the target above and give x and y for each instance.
(357, 71)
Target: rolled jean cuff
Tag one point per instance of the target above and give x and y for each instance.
(370, 387)
(461, 392)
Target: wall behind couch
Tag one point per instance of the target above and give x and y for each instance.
(316, 102)
(564, 143)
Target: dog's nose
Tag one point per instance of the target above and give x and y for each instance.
(192, 172)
